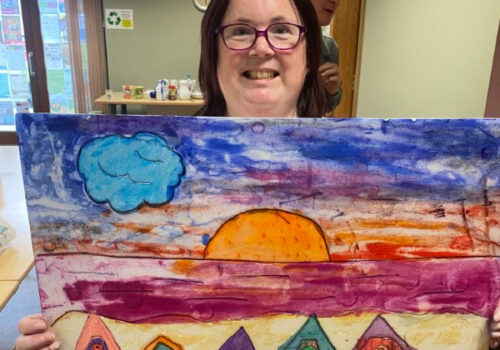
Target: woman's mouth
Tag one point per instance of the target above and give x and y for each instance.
(258, 75)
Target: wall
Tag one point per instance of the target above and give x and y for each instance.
(164, 43)
(427, 58)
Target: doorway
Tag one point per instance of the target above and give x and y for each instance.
(347, 30)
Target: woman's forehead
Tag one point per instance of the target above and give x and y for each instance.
(260, 11)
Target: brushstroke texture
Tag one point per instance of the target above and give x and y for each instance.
(379, 189)
(169, 291)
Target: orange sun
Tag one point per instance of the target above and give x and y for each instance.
(268, 235)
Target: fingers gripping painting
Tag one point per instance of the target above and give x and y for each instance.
(217, 233)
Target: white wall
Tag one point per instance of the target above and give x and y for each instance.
(427, 58)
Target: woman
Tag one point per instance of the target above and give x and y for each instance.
(242, 73)
(259, 58)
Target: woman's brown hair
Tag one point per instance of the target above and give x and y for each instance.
(311, 99)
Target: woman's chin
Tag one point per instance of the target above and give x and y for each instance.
(261, 99)
(261, 104)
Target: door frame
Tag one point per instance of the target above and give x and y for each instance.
(492, 109)
(347, 29)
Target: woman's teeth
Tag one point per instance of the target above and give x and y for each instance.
(254, 75)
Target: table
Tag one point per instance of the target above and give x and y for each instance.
(118, 99)
(17, 259)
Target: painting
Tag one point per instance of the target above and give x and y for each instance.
(169, 233)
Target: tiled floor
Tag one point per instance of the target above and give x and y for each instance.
(25, 302)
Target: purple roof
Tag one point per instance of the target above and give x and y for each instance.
(379, 328)
(239, 340)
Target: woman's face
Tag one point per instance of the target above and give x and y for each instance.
(261, 82)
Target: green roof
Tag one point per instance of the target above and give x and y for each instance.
(311, 330)
(161, 346)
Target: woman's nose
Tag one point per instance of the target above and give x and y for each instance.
(261, 47)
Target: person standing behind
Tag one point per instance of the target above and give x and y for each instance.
(329, 69)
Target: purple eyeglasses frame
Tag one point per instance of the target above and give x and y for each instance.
(259, 33)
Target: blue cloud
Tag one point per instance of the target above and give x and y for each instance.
(129, 171)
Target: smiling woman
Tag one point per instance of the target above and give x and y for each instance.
(258, 63)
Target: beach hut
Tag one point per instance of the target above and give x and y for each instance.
(381, 336)
(238, 341)
(95, 335)
(309, 337)
(163, 343)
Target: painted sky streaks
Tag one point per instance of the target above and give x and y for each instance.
(374, 186)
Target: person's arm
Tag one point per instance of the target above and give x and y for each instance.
(334, 100)
(35, 335)
(329, 73)
(330, 78)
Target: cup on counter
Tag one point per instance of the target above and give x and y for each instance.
(109, 93)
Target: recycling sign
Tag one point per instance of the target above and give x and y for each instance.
(113, 19)
(119, 19)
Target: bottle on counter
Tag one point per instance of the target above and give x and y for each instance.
(161, 89)
(172, 92)
(184, 93)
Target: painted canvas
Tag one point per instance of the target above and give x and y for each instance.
(232, 233)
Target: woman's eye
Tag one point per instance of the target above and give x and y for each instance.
(240, 31)
(280, 30)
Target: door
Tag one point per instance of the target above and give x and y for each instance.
(347, 29)
(22, 79)
(36, 66)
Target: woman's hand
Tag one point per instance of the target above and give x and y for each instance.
(35, 335)
(495, 328)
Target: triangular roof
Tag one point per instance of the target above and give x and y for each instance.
(162, 340)
(94, 330)
(380, 328)
(238, 341)
(309, 331)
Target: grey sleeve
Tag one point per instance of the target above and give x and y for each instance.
(331, 53)
(333, 101)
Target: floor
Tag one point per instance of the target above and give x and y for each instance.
(25, 302)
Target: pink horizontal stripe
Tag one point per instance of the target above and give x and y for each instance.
(144, 290)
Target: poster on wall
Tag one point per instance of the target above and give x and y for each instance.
(50, 28)
(48, 6)
(4, 85)
(119, 19)
(53, 56)
(16, 57)
(59, 103)
(6, 113)
(55, 81)
(19, 86)
(12, 30)
(23, 106)
(9, 7)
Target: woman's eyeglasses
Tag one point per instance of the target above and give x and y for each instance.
(280, 36)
